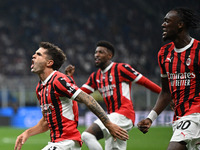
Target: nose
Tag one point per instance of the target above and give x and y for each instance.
(96, 54)
(33, 56)
(163, 24)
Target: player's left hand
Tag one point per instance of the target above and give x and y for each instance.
(118, 132)
(69, 70)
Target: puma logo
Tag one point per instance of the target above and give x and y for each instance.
(183, 134)
(169, 59)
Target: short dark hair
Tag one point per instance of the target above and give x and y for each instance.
(55, 53)
(190, 18)
(106, 44)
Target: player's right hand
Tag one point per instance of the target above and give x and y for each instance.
(117, 132)
(144, 125)
(69, 70)
(21, 139)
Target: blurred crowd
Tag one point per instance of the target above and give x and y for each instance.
(134, 27)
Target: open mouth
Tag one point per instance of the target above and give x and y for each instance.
(32, 65)
(164, 32)
(97, 60)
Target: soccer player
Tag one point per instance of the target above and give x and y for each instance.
(179, 63)
(56, 94)
(113, 80)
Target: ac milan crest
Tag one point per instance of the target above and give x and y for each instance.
(188, 61)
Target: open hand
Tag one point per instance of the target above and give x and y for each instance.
(21, 139)
(118, 132)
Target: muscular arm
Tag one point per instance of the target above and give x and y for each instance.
(91, 103)
(164, 97)
(163, 100)
(41, 127)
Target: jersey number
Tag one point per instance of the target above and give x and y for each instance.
(184, 125)
(52, 148)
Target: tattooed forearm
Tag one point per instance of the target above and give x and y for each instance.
(92, 104)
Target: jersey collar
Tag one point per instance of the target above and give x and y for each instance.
(179, 50)
(47, 79)
(107, 68)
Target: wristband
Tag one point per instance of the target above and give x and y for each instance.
(152, 115)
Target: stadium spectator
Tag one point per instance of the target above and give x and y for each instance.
(55, 92)
(180, 77)
(113, 80)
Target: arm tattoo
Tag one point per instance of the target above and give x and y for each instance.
(93, 105)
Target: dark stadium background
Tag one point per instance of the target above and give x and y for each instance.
(133, 26)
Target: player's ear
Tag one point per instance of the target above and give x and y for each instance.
(110, 54)
(181, 24)
(50, 63)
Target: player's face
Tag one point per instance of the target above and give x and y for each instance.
(39, 61)
(102, 57)
(170, 26)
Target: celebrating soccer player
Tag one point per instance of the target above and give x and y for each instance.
(179, 63)
(113, 80)
(56, 94)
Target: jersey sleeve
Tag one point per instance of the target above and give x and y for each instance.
(149, 84)
(90, 86)
(129, 74)
(65, 86)
(161, 63)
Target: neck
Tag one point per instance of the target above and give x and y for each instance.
(182, 41)
(45, 74)
(105, 65)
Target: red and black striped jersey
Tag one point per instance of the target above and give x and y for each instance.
(114, 84)
(182, 68)
(59, 109)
